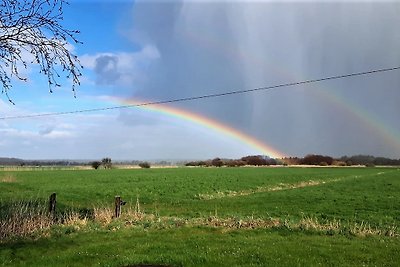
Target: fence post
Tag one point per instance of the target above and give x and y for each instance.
(117, 206)
(52, 204)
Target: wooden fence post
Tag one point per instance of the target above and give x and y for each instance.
(117, 206)
(52, 204)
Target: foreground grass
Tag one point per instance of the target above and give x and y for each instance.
(356, 194)
(199, 246)
(300, 216)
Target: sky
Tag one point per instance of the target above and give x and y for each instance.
(145, 51)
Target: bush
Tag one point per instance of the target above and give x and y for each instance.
(254, 160)
(144, 165)
(197, 163)
(217, 162)
(339, 163)
(106, 163)
(95, 164)
(316, 160)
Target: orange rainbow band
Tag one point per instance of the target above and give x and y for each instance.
(214, 125)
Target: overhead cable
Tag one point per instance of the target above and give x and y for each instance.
(185, 99)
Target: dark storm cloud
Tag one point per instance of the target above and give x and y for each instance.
(218, 46)
(191, 63)
(156, 21)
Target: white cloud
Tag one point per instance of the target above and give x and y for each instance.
(15, 133)
(91, 136)
(57, 134)
(120, 68)
(8, 110)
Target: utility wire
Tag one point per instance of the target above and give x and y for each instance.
(184, 99)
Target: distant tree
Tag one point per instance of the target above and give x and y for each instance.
(190, 163)
(144, 165)
(31, 33)
(272, 161)
(106, 163)
(361, 159)
(196, 163)
(202, 163)
(235, 163)
(316, 160)
(217, 162)
(254, 160)
(95, 164)
(366, 159)
(386, 161)
(230, 163)
(291, 161)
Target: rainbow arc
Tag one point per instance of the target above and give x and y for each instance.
(211, 124)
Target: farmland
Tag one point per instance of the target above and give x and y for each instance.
(210, 216)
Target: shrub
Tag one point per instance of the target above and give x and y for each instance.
(254, 160)
(316, 160)
(106, 163)
(217, 162)
(340, 163)
(95, 164)
(144, 165)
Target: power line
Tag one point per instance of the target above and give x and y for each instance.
(184, 99)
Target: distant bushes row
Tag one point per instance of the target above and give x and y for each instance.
(106, 164)
(368, 161)
(311, 159)
(248, 160)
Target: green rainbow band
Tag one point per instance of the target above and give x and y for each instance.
(214, 125)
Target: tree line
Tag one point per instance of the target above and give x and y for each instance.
(311, 159)
(252, 160)
(21, 162)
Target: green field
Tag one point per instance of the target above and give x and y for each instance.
(209, 217)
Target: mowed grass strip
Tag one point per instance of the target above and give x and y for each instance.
(371, 198)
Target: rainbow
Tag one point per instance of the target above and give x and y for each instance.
(371, 122)
(374, 124)
(208, 123)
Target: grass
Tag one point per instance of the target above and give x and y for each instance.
(208, 216)
(22, 218)
(201, 247)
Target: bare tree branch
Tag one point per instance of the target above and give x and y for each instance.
(32, 27)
